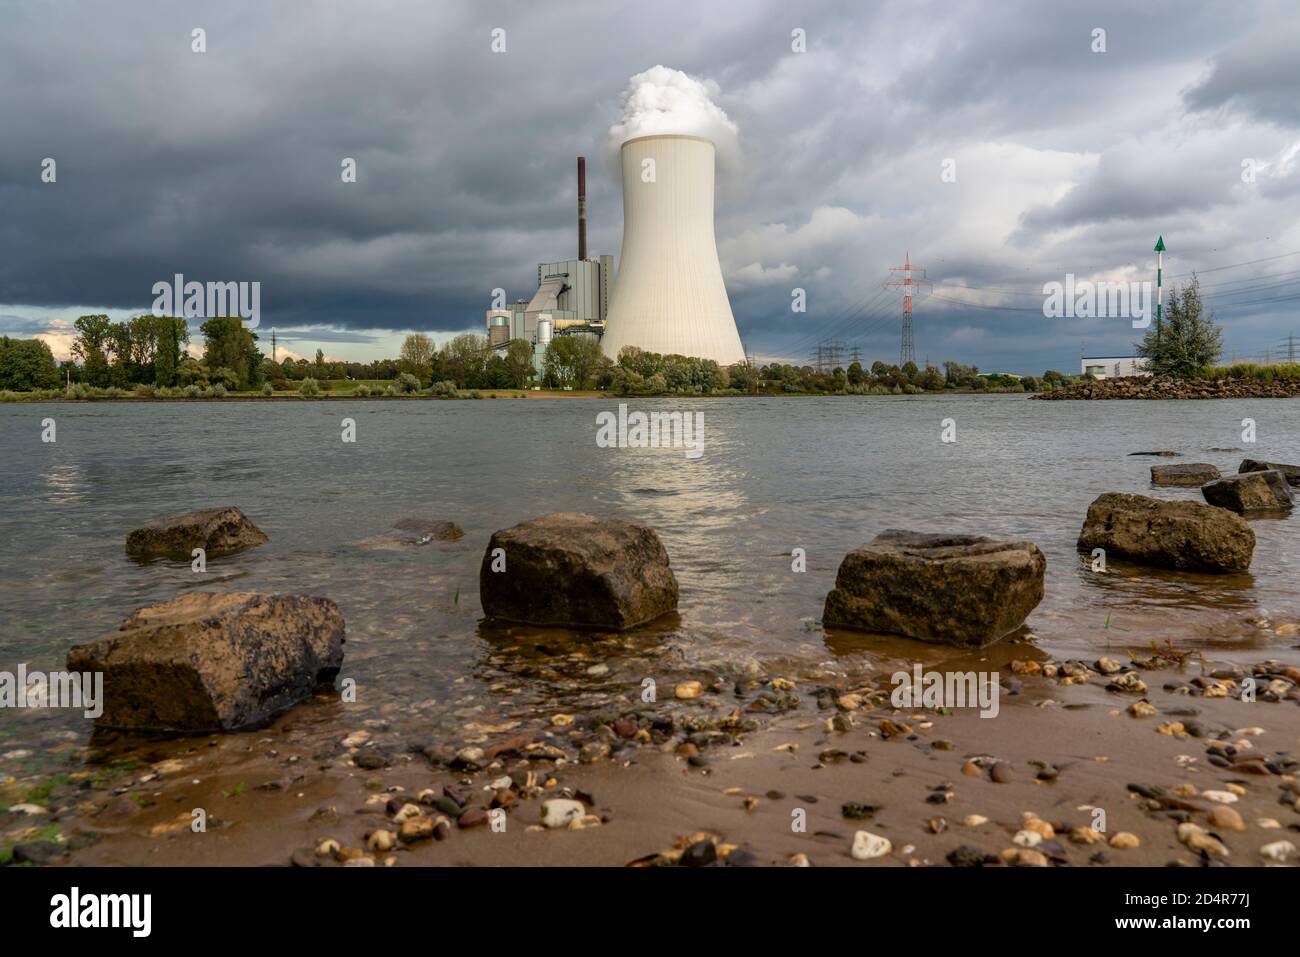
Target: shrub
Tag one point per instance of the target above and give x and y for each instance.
(361, 390)
(145, 391)
(408, 383)
(280, 385)
(267, 389)
(193, 392)
(309, 387)
(218, 391)
(445, 388)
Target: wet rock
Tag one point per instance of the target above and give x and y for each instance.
(1125, 840)
(1251, 492)
(858, 811)
(575, 570)
(1290, 472)
(40, 853)
(962, 590)
(412, 533)
(1190, 474)
(415, 829)
(474, 817)
(1001, 773)
(218, 531)
(968, 856)
(688, 690)
(381, 841)
(206, 661)
(1181, 535)
(699, 854)
(1164, 453)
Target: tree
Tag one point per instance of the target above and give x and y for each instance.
(519, 361)
(743, 377)
(27, 364)
(463, 359)
(570, 360)
(417, 355)
(90, 347)
(228, 345)
(1187, 342)
(172, 332)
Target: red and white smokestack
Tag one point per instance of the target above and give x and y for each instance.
(582, 207)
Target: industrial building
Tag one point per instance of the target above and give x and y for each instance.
(1112, 367)
(670, 296)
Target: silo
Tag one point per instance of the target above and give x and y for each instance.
(545, 329)
(669, 296)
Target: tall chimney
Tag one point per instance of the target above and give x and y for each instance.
(582, 207)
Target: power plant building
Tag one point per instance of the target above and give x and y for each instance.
(669, 297)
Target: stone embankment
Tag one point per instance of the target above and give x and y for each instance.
(1160, 387)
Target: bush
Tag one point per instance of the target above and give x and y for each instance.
(280, 385)
(218, 391)
(267, 389)
(445, 388)
(193, 392)
(361, 390)
(145, 391)
(309, 387)
(408, 383)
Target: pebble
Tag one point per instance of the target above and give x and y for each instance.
(356, 739)
(688, 690)
(1142, 709)
(974, 820)
(474, 817)
(328, 848)
(699, 854)
(1220, 797)
(1108, 666)
(1086, 835)
(381, 841)
(1022, 857)
(1198, 839)
(558, 812)
(867, 846)
(1226, 818)
(799, 860)
(416, 829)
(967, 856)
(1001, 772)
(1125, 840)
(1027, 839)
(1278, 850)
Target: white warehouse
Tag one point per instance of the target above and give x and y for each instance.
(1112, 367)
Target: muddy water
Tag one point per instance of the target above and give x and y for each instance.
(822, 475)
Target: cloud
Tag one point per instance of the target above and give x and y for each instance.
(663, 100)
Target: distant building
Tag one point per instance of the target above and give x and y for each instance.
(1112, 367)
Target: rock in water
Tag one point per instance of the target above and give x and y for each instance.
(412, 533)
(218, 531)
(1251, 492)
(578, 571)
(1182, 535)
(961, 590)
(1292, 472)
(1197, 473)
(214, 662)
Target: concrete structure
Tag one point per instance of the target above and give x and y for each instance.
(670, 297)
(1112, 367)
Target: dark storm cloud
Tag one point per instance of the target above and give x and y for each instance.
(225, 165)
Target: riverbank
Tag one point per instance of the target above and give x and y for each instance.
(1067, 774)
(1160, 387)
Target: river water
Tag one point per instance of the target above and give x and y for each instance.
(819, 474)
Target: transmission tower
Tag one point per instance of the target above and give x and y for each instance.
(908, 351)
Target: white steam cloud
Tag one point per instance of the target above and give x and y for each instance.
(664, 100)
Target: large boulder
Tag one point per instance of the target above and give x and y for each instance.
(962, 590)
(218, 531)
(1181, 535)
(1249, 493)
(1292, 472)
(575, 570)
(210, 661)
(1191, 474)
(412, 533)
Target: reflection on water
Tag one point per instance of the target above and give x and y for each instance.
(822, 475)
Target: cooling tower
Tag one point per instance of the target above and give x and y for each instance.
(669, 296)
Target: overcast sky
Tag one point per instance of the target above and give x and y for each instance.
(225, 165)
